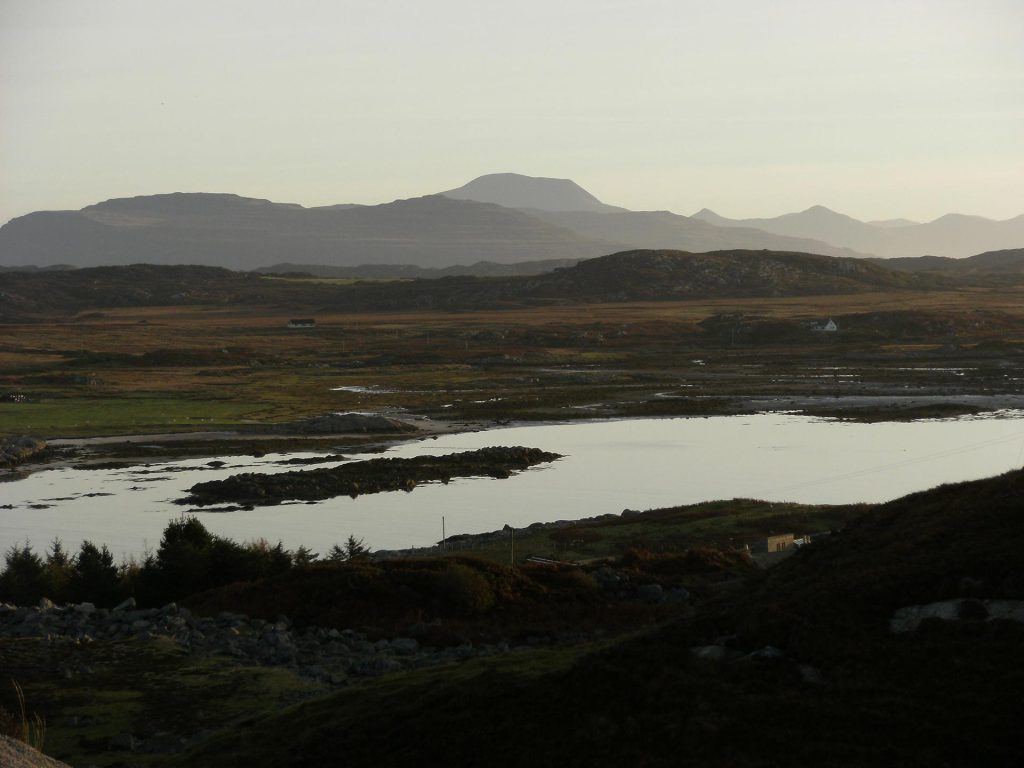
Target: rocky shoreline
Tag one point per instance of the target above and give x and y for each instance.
(16, 450)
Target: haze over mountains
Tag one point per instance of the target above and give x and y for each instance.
(500, 218)
(953, 235)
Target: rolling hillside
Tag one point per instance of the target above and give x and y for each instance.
(627, 276)
(798, 667)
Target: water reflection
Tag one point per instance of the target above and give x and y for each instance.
(608, 466)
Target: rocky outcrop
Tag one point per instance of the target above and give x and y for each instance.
(18, 754)
(359, 477)
(15, 450)
(329, 655)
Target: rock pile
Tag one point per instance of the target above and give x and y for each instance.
(331, 656)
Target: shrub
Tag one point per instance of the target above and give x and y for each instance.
(464, 590)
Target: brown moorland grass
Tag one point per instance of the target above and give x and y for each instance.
(233, 365)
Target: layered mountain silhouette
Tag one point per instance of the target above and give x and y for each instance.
(953, 235)
(500, 218)
(244, 233)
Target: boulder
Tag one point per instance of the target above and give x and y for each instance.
(18, 754)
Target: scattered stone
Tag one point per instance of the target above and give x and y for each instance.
(908, 619)
(405, 645)
(328, 655)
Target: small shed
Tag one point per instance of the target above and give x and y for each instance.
(302, 322)
(829, 327)
(780, 542)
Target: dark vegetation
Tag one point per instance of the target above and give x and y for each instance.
(989, 268)
(361, 477)
(411, 272)
(837, 690)
(189, 559)
(947, 694)
(628, 276)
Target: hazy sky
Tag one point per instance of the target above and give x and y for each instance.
(876, 108)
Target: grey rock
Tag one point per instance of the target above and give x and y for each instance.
(651, 593)
(125, 605)
(708, 652)
(405, 645)
(768, 653)
(85, 608)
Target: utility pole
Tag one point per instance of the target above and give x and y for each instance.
(444, 539)
(512, 549)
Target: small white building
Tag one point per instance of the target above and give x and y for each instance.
(829, 327)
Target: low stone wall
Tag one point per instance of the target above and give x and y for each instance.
(331, 656)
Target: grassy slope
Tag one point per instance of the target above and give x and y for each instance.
(947, 694)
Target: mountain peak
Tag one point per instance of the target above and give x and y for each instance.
(709, 216)
(514, 190)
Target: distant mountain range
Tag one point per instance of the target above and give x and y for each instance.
(501, 218)
(953, 235)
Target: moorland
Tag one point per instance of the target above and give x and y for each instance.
(653, 638)
(147, 349)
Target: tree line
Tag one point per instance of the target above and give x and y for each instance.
(189, 560)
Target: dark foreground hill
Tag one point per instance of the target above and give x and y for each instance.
(835, 687)
(630, 276)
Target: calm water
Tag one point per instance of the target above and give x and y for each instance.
(608, 467)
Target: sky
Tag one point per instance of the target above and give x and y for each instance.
(877, 108)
